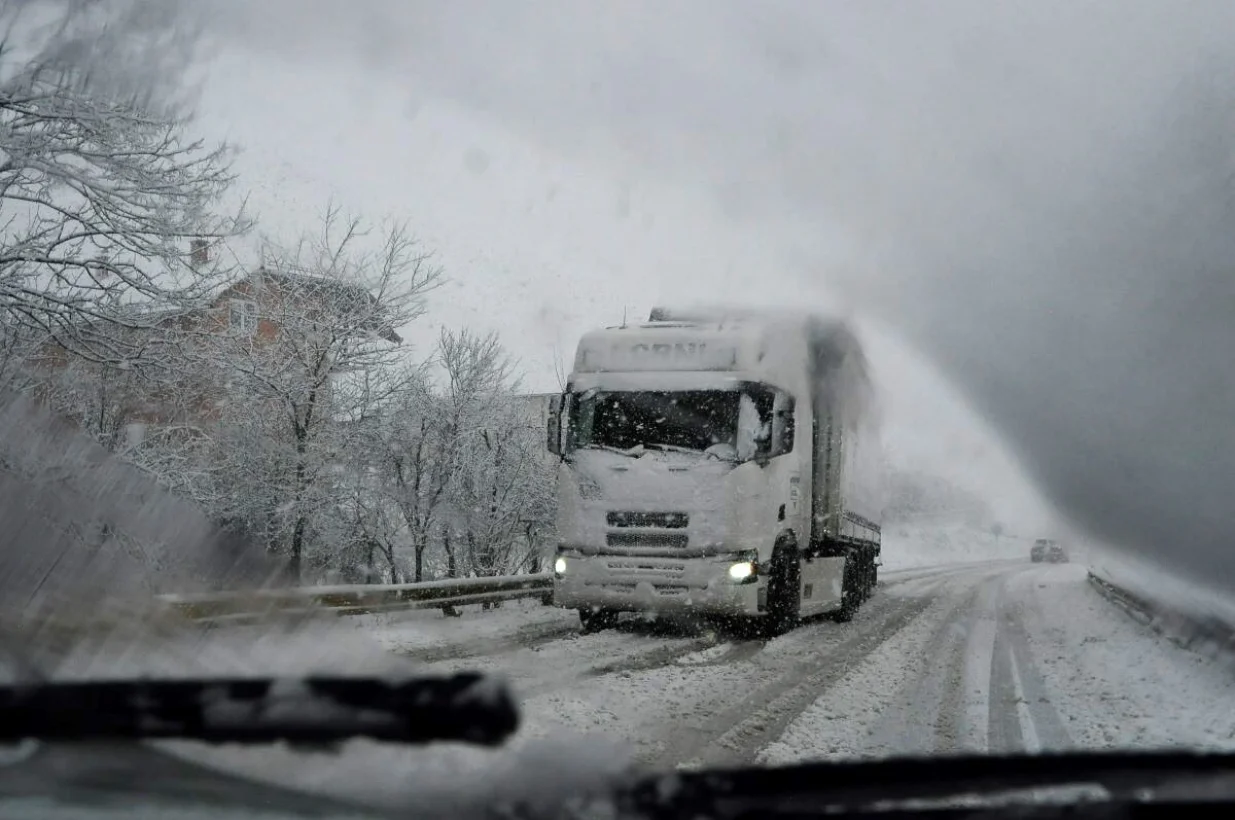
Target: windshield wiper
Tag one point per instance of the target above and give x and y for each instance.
(632, 452)
(819, 789)
(466, 707)
(639, 449)
(672, 448)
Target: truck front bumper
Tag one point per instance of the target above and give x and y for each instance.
(629, 584)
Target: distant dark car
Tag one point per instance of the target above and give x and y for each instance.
(1046, 549)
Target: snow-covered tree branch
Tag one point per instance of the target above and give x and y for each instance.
(465, 466)
(102, 189)
(318, 359)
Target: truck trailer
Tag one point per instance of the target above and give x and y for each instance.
(723, 462)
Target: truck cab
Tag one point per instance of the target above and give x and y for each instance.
(688, 450)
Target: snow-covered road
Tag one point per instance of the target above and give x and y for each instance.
(993, 656)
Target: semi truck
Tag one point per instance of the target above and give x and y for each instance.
(718, 461)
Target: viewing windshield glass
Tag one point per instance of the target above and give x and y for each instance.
(716, 421)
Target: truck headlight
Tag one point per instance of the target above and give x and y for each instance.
(741, 570)
(559, 566)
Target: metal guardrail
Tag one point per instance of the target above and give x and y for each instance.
(1196, 631)
(357, 599)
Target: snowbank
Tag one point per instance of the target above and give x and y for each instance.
(428, 631)
(1160, 584)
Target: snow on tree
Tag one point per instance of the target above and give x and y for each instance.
(464, 465)
(411, 450)
(101, 187)
(304, 374)
(478, 374)
(500, 484)
(422, 443)
(499, 477)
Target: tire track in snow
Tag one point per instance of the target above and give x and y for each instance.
(787, 698)
(1042, 727)
(736, 734)
(528, 638)
(922, 717)
(730, 652)
(924, 690)
(1007, 730)
(740, 694)
(538, 635)
(1020, 715)
(554, 663)
(897, 577)
(654, 658)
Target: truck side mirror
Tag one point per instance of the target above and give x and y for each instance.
(782, 424)
(554, 442)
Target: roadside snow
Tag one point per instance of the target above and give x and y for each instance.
(476, 629)
(1115, 682)
(575, 660)
(1159, 584)
(322, 645)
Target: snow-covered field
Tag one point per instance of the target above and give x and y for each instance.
(965, 646)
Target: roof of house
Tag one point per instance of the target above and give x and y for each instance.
(346, 295)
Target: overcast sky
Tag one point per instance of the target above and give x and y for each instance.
(1029, 195)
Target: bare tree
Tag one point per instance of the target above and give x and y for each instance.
(374, 527)
(417, 454)
(501, 480)
(427, 437)
(501, 489)
(305, 373)
(101, 188)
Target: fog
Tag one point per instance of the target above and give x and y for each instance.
(1034, 196)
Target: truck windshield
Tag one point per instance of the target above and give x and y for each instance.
(709, 421)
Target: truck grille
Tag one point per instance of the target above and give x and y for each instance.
(647, 539)
(649, 520)
(636, 568)
(666, 578)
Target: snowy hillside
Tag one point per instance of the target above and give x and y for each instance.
(933, 543)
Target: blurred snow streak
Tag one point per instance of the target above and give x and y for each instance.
(87, 542)
(82, 525)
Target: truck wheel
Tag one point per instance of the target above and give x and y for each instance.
(850, 593)
(594, 620)
(867, 566)
(784, 589)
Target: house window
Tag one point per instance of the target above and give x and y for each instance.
(242, 316)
